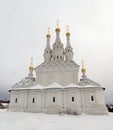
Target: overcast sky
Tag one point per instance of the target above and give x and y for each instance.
(23, 28)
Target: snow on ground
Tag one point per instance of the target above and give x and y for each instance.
(40, 121)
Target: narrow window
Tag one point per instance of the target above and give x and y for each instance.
(47, 51)
(53, 99)
(68, 50)
(33, 100)
(57, 46)
(92, 98)
(72, 99)
(57, 57)
(60, 57)
(16, 100)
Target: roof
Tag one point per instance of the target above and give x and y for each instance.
(86, 82)
(55, 86)
(57, 64)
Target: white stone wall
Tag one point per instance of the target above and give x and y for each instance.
(43, 100)
(72, 107)
(56, 106)
(61, 77)
(95, 106)
(20, 104)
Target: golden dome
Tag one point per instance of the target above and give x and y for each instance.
(48, 35)
(57, 29)
(31, 68)
(67, 34)
(83, 70)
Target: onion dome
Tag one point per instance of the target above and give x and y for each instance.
(31, 68)
(67, 34)
(83, 70)
(57, 29)
(48, 35)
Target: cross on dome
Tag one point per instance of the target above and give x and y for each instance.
(82, 63)
(31, 65)
(67, 27)
(31, 61)
(67, 33)
(48, 33)
(57, 29)
(57, 23)
(83, 68)
(48, 29)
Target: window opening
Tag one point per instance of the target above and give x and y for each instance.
(92, 98)
(53, 99)
(33, 100)
(72, 99)
(16, 100)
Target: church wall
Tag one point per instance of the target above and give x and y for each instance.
(93, 102)
(12, 105)
(72, 101)
(42, 78)
(57, 100)
(62, 77)
(18, 100)
(70, 77)
(35, 101)
(53, 100)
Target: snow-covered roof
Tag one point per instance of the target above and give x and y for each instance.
(36, 87)
(72, 85)
(84, 81)
(55, 85)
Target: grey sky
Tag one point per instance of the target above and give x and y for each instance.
(23, 26)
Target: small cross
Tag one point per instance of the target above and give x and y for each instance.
(31, 61)
(67, 28)
(82, 63)
(57, 22)
(48, 29)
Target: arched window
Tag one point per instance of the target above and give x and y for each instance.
(92, 98)
(33, 100)
(57, 57)
(73, 99)
(53, 99)
(16, 100)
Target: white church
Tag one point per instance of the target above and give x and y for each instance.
(56, 88)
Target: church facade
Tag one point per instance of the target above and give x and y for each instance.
(56, 88)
